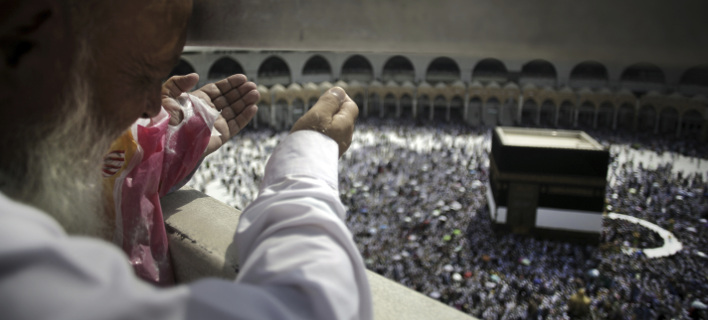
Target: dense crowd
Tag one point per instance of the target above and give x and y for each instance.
(416, 201)
(631, 234)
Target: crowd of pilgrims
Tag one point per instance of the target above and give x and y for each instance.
(416, 201)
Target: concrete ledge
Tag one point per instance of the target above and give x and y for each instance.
(201, 229)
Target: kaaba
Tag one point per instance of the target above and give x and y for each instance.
(549, 183)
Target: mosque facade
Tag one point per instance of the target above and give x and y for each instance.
(639, 97)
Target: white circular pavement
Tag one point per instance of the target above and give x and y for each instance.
(671, 244)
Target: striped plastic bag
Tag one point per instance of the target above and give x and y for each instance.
(144, 164)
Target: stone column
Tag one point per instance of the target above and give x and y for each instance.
(432, 109)
(575, 113)
(556, 116)
(290, 114)
(614, 118)
(519, 108)
(398, 107)
(538, 114)
(635, 120)
(466, 106)
(272, 114)
(415, 107)
(447, 112)
(678, 125)
(381, 105)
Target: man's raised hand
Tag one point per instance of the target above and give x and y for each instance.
(334, 115)
(234, 96)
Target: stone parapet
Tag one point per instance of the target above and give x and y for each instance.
(201, 229)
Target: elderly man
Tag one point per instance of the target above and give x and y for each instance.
(75, 75)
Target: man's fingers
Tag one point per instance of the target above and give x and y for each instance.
(221, 87)
(334, 115)
(346, 117)
(231, 82)
(177, 85)
(349, 110)
(247, 92)
(240, 122)
(347, 113)
(330, 102)
(343, 122)
(237, 101)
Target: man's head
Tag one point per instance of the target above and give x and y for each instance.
(74, 74)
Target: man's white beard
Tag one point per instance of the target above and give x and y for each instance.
(64, 167)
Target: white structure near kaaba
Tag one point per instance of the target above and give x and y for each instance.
(549, 183)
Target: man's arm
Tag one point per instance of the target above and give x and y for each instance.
(297, 221)
(298, 259)
(234, 97)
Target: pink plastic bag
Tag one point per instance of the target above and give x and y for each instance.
(143, 165)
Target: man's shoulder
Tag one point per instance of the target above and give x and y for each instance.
(21, 221)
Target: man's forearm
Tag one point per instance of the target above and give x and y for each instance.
(292, 239)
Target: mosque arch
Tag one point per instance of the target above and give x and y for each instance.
(399, 69)
(224, 67)
(643, 77)
(456, 110)
(590, 74)
(406, 103)
(695, 80)
(625, 116)
(646, 118)
(374, 105)
(643, 72)
(538, 72)
(182, 68)
(442, 69)
(317, 69)
(274, 70)
(692, 123)
(529, 111)
(297, 110)
(389, 109)
(492, 110)
(508, 112)
(474, 111)
(440, 108)
(565, 114)
(358, 99)
(424, 106)
(586, 114)
(668, 120)
(281, 114)
(357, 68)
(489, 70)
(605, 115)
(547, 114)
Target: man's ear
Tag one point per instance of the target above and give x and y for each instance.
(27, 26)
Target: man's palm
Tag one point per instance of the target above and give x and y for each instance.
(234, 96)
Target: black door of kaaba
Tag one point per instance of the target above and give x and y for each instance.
(523, 200)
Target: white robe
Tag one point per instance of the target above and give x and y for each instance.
(297, 258)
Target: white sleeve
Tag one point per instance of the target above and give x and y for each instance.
(298, 260)
(292, 241)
